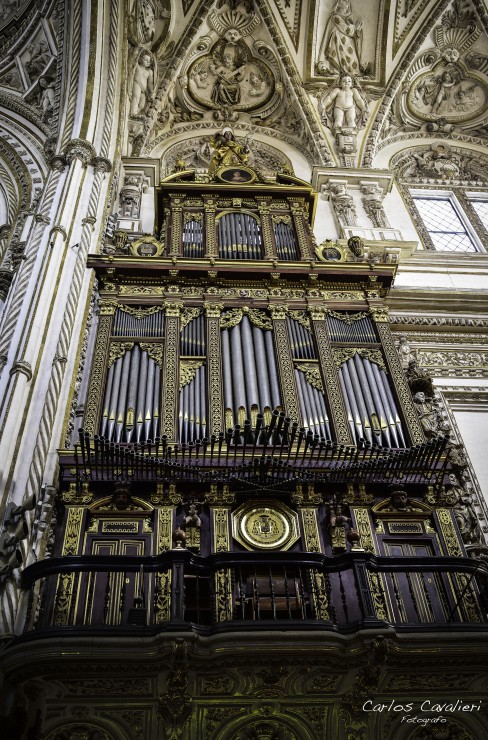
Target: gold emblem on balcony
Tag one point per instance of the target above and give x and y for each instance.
(265, 525)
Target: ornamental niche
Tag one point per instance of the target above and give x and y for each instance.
(229, 78)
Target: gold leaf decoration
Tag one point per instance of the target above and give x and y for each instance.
(188, 370)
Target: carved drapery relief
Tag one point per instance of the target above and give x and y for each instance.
(341, 44)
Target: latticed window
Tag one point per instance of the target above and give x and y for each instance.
(446, 229)
(481, 208)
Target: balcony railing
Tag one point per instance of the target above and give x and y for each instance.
(180, 590)
(280, 453)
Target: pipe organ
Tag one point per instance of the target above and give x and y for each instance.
(250, 373)
(193, 373)
(131, 400)
(239, 236)
(250, 449)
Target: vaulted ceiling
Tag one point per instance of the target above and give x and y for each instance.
(271, 69)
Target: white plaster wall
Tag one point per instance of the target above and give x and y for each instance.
(325, 225)
(473, 426)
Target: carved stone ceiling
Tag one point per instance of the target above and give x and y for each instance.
(335, 81)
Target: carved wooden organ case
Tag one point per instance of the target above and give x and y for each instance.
(246, 416)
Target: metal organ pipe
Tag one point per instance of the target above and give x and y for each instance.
(250, 373)
(239, 236)
(272, 370)
(370, 402)
(239, 391)
(131, 398)
(350, 397)
(248, 354)
(265, 400)
(226, 364)
(134, 381)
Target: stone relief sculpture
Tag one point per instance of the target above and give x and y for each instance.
(343, 108)
(347, 104)
(196, 154)
(46, 100)
(12, 79)
(440, 162)
(143, 83)
(441, 89)
(457, 495)
(372, 197)
(341, 45)
(36, 58)
(429, 416)
(447, 91)
(229, 78)
(149, 20)
(343, 204)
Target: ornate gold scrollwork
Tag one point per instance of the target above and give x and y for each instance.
(117, 350)
(348, 318)
(140, 312)
(187, 315)
(223, 577)
(188, 370)
(154, 350)
(312, 373)
(342, 354)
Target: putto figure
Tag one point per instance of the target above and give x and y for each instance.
(348, 106)
(143, 83)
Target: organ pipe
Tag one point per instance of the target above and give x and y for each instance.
(192, 417)
(350, 329)
(312, 404)
(249, 372)
(239, 236)
(143, 324)
(301, 341)
(193, 246)
(131, 402)
(370, 404)
(286, 245)
(193, 338)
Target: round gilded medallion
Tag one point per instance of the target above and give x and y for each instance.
(265, 527)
